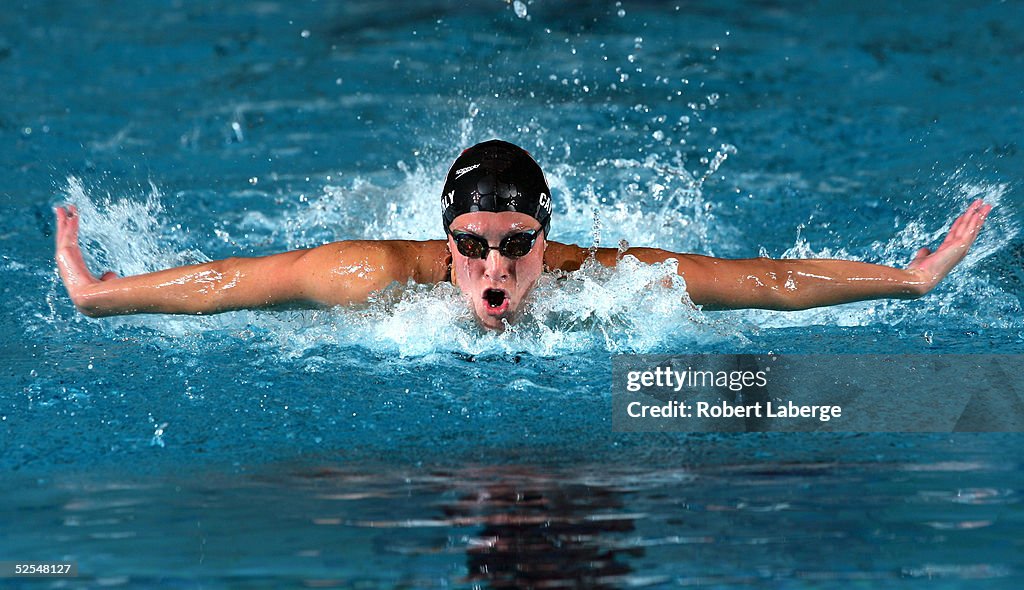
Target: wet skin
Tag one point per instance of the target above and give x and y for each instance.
(349, 272)
(497, 285)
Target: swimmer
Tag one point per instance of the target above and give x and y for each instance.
(496, 207)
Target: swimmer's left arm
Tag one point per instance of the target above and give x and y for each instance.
(803, 284)
(718, 283)
(790, 285)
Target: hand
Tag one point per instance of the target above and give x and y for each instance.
(931, 267)
(73, 271)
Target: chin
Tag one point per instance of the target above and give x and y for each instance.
(492, 322)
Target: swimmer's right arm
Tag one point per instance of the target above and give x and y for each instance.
(334, 274)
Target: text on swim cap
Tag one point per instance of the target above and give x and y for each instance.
(545, 202)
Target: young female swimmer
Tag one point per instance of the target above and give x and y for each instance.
(496, 207)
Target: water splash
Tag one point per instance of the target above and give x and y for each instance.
(651, 203)
(965, 293)
(631, 308)
(634, 307)
(520, 9)
(127, 235)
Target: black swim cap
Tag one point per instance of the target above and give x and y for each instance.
(496, 176)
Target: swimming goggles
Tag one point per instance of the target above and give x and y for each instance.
(512, 246)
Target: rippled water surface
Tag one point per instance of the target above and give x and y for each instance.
(397, 445)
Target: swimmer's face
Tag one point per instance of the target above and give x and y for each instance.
(496, 286)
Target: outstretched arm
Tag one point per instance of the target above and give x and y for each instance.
(334, 274)
(718, 283)
(803, 284)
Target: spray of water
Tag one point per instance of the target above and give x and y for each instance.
(128, 235)
(656, 200)
(964, 295)
(631, 308)
(634, 307)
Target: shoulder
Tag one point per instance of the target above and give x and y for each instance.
(569, 257)
(378, 262)
(564, 257)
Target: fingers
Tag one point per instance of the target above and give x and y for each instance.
(62, 224)
(964, 221)
(966, 227)
(61, 216)
(70, 261)
(67, 226)
(980, 217)
(973, 220)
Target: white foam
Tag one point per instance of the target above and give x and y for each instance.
(127, 235)
(631, 308)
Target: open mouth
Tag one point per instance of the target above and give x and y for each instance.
(497, 301)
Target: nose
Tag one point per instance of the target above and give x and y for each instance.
(496, 266)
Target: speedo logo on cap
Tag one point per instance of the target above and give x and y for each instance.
(461, 171)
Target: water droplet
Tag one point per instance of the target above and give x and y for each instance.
(305, 34)
(520, 8)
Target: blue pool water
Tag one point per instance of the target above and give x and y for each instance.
(398, 445)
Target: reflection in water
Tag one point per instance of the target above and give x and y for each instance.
(734, 523)
(518, 527)
(750, 524)
(538, 533)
